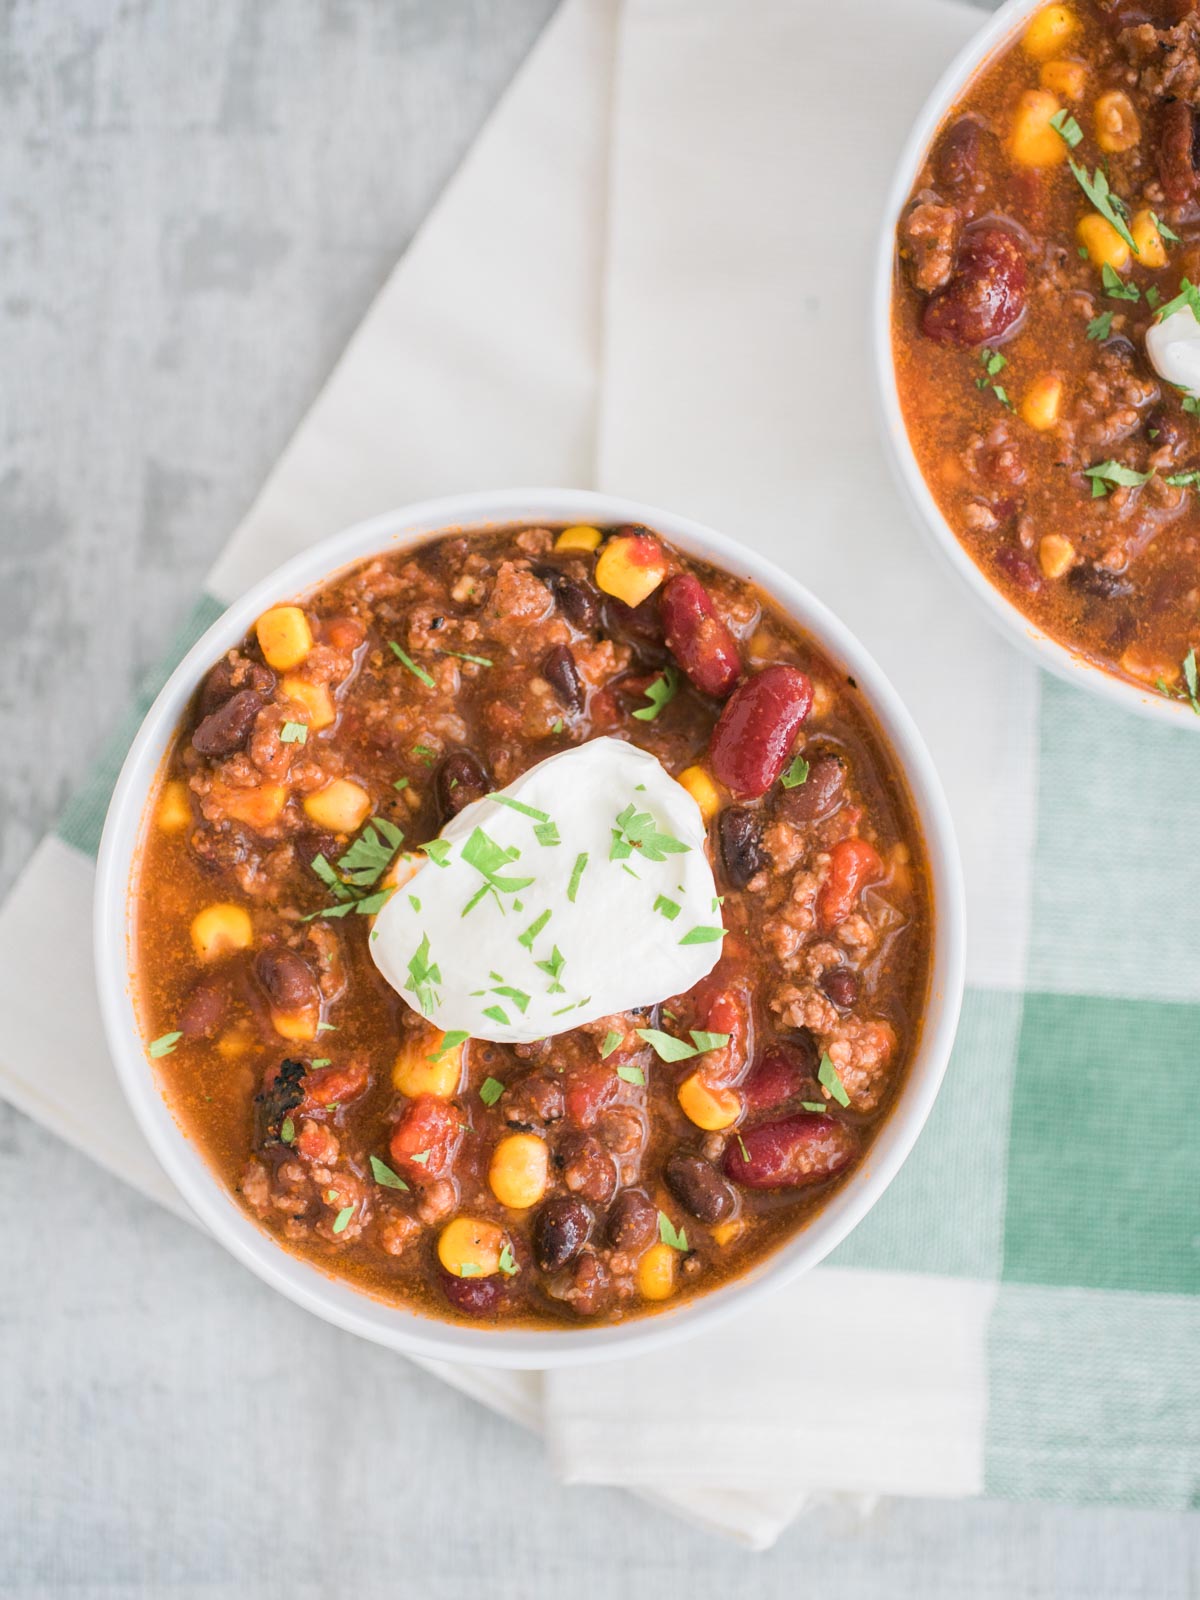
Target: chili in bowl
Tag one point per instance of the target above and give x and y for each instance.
(1035, 317)
(523, 914)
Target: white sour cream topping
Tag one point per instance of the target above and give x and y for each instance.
(605, 902)
(1173, 346)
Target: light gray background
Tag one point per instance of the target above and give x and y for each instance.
(197, 202)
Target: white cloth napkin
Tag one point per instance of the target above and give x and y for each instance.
(678, 312)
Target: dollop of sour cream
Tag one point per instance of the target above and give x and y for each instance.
(1173, 346)
(581, 890)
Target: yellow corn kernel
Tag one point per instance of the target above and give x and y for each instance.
(1042, 402)
(1117, 125)
(220, 928)
(519, 1170)
(709, 1109)
(1065, 78)
(1055, 555)
(258, 807)
(234, 1043)
(415, 1071)
(299, 1025)
(580, 537)
(1032, 142)
(470, 1248)
(1152, 252)
(631, 567)
(656, 1273)
(284, 637)
(1048, 31)
(341, 806)
(1104, 245)
(316, 699)
(702, 790)
(174, 809)
(724, 1233)
(1150, 669)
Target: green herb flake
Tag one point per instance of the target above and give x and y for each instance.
(423, 975)
(535, 927)
(1115, 286)
(552, 967)
(667, 908)
(461, 655)
(342, 1219)
(1066, 128)
(631, 1075)
(321, 1061)
(666, 1046)
(1153, 297)
(489, 858)
(421, 1158)
(660, 693)
(371, 854)
(1165, 233)
(611, 1040)
(327, 1027)
(708, 1041)
(702, 934)
(1110, 206)
(547, 833)
(165, 1044)
(637, 830)
(400, 783)
(407, 661)
(490, 1091)
(1110, 472)
(796, 774)
(577, 872)
(438, 851)
(450, 1041)
(385, 1177)
(1188, 296)
(497, 1014)
(829, 1078)
(287, 1131)
(668, 1234)
(424, 754)
(508, 1262)
(518, 996)
(742, 1147)
(518, 805)
(557, 725)
(1100, 327)
(294, 733)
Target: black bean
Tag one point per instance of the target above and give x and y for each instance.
(574, 597)
(699, 1188)
(459, 779)
(225, 730)
(632, 1222)
(560, 1231)
(1099, 582)
(957, 154)
(819, 796)
(475, 1297)
(840, 984)
(561, 673)
(288, 981)
(220, 686)
(741, 848)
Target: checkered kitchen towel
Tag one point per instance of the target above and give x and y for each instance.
(1019, 1314)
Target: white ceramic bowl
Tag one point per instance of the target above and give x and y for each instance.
(1060, 659)
(337, 1300)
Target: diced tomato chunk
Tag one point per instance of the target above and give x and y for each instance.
(853, 864)
(589, 1087)
(425, 1141)
(334, 1086)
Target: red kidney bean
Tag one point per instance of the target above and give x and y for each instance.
(587, 1168)
(632, 1222)
(590, 1288)
(225, 730)
(840, 985)
(699, 1188)
(560, 1231)
(1176, 153)
(956, 157)
(475, 1297)
(561, 673)
(783, 1071)
(986, 293)
(288, 981)
(741, 845)
(819, 796)
(430, 1128)
(755, 732)
(790, 1154)
(459, 779)
(853, 863)
(696, 636)
(1019, 570)
(204, 1010)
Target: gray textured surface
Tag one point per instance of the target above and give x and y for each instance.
(196, 204)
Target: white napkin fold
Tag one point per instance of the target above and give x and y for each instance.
(726, 376)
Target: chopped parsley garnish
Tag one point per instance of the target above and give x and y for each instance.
(708, 1041)
(426, 756)
(829, 1078)
(1115, 286)
(320, 1061)
(577, 872)
(1110, 206)
(611, 1040)
(796, 774)
(1112, 472)
(660, 693)
(438, 851)
(1153, 297)
(1067, 129)
(1188, 296)
(1100, 327)
(702, 934)
(497, 1014)
(342, 1219)
(450, 1041)
(294, 733)
(165, 1044)
(557, 725)
(668, 1235)
(490, 1091)
(330, 878)
(371, 854)
(1184, 480)
(637, 830)
(421, 1158)
(667, 908)
(534, 928)
(1191, 683)
(814, 1105)
(742, 1147)
(517, 805)
(518, 996)
(993, 362)
(407, 661)
(287, 1131)
(327, 1027)
(423, 975)
(1168, 235)
(553, 969)
(384, 1175)
(547, 833)
(631, 1075)
(508, 1263)
(666, 1046)
(400, 783)
(461, 655)
(488, 858)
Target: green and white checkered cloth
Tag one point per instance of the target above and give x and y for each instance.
(1057, 1186)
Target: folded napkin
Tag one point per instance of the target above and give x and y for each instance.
(659, 282)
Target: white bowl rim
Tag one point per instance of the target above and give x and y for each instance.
(1048, 652)
(336, 1300)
